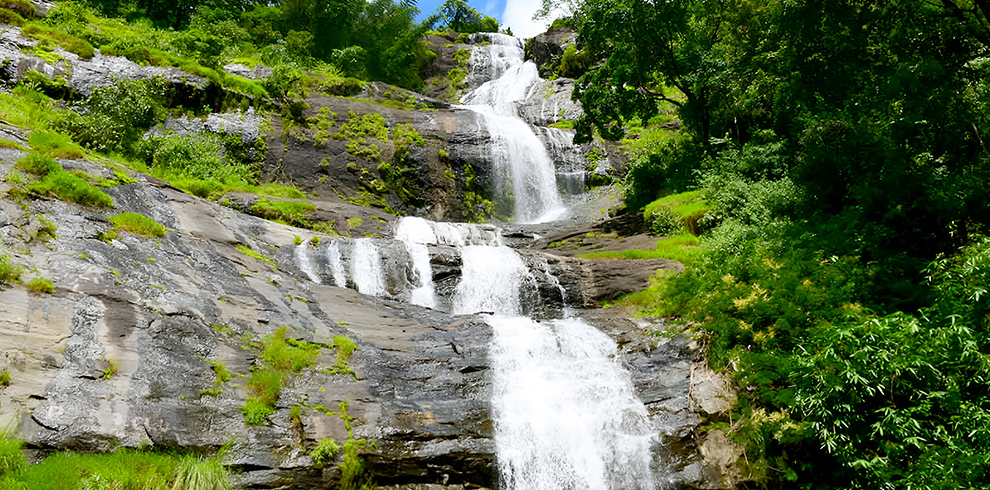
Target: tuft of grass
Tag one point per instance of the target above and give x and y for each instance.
(675, 212)
(11, 458)
(38, 164)
(6, 143)
(684, 248)
(70, 187)
(345, 348)
(138, 224)
(355, 222)
(4, 381)
(251, 253)
(56, 145)
(287, 212)
(41, 285)
(195, 473)
(288, 355)
(255, 411)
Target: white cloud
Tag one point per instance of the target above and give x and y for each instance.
(518, 15)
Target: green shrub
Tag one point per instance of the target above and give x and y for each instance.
(9, 271)
(345, 348)
(38, 164)
(69, 187)
(41, 285)
(221, 371)
(265, 385)
(138, 224)
(117, 116)
(288, 355)
(675, 212)
(573, 64)
(324, 452)
(255, 411)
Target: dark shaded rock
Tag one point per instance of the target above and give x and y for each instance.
(546, 49)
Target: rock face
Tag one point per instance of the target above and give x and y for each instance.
(546, 49)
(119, 353)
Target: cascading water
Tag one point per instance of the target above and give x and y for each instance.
(416, 233)
(366, 268)
(521, 165)
(336, 263)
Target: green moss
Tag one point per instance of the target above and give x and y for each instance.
(672, 213)
(38, 164)
(4, 381)
(355, 222)
(41, 285)
(563, 124)
(244, 249)
(11, 17)
(138, 224)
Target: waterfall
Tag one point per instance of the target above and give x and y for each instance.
(565, 411)
(416, 233)
(366, 268)
(336, 263)
(521, 165)
(305, 262)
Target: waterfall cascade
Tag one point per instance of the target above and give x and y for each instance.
(566, 415)
(522, 167)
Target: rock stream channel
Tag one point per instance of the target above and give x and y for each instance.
(477, 368)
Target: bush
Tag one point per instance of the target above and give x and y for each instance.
(255, 411)
(116, 116)
(9, 271)
(573, 64)
(137, 224)
(41, 285)
(324, 452)
(38, 164)
(288, 355)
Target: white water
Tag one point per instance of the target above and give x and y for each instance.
(565, 411)
(336, 265)
(366, 268)
(416, 233)
(521, 163)
(305, 262)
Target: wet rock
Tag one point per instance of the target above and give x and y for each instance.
(259, 71)
(546, 49)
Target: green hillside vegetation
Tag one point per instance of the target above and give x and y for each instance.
(835, 156)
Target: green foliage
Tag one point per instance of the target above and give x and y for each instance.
(359, 130)
(38, 164)
(186, 159)
(670, 214)
(345, 349)
(290, 212)
(684, 248)
(5, 382)
(70, 187)
(244, 249)
(324, 452)
(573, 64)
(282, 358)
(48, 38)
(11, 18)
(116, 116)
(138, 224)
(54, 144)
(288, 355)
(11, 458)
(195, 473)
(40, 285)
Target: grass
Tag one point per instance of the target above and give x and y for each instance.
(70, 187)
(324, 452)
(287, 212)
(355, 222)
(138, 224)
(41, 285)
(675, 212)
(4, 381)
(56, 145)
(684, 248)
(280, 358)
(345, 348)
(9, 271)
(251, 253)
(122, 469)
(6, 143)
(48, 38)
(38, 164)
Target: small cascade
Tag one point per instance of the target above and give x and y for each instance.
(416, 233)
(521, 165)
(336, 263)
(566, 414)
(569, 159)
(366, 268)
(491, 281)
(305, 262)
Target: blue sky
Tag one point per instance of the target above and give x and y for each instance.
(517, 14)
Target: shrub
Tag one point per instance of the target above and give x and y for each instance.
(9, 271)
(255, 411)
(137, 224)
(345, 348)
(288, 355)
(41, 285)
(324, 452)
(38, 164)
(70, 187)
(265, 386)
(116, 116)
(573, 64)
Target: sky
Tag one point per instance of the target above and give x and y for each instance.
(517, 14)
